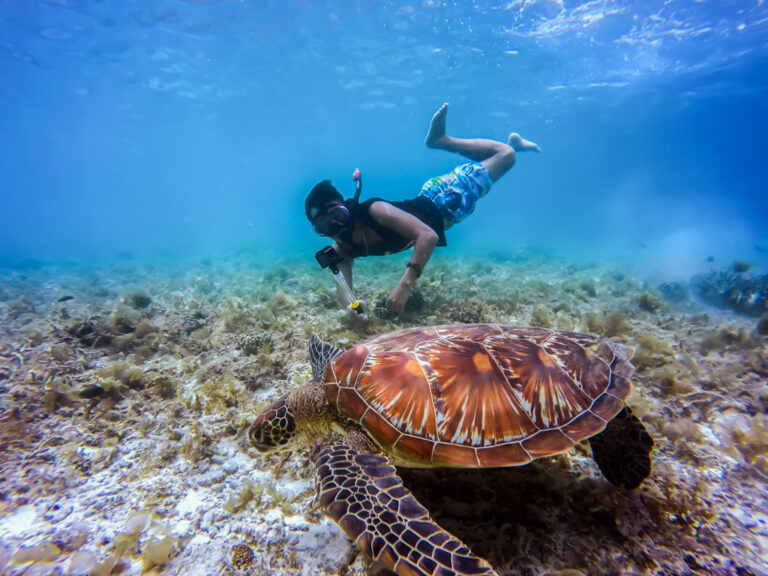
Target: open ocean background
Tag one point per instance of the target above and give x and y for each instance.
(194, 129)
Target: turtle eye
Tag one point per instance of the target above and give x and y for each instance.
(257, 438)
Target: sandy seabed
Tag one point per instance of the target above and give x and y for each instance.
(126, 392)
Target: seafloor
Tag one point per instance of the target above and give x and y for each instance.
(126, 391)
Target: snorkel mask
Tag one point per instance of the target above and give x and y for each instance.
(331, 221)
(335, 216)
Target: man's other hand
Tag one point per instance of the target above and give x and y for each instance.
(397, 298)
(358, 315)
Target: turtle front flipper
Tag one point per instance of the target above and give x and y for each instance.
(362, 492)
(623, 450)
(320, 353)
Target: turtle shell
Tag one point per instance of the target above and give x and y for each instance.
(479, 395)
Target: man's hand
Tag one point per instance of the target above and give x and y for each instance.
(398, 297)
(357, 315)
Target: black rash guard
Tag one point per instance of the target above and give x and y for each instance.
(421, 207)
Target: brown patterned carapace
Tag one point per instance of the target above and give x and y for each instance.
(479, 395)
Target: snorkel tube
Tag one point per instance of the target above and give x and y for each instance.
(329, 258)
(358, 178)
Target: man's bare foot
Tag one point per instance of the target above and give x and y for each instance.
(521, 145)
(436, 134)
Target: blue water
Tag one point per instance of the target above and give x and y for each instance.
(193, 128)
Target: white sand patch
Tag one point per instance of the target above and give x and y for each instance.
(192, 502)
(22, 521)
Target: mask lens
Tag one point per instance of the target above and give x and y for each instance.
(332, 221)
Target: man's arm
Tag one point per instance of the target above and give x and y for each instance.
(345, 267)
(424, 242)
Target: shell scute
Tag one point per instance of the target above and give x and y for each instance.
(547, 443)
(413, 445)
(546, 390)
(353, 405)
(402, 340)
(588, 361)
(394, 384)
(455, 455)
(607, 406)
(511, 454)
(345, 367)
(476, 404)
(477, 332)
(533, 333)
(383, 431)
(619, 387)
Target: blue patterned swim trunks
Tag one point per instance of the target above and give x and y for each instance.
(456, 193)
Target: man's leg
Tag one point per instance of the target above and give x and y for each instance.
(497, 157)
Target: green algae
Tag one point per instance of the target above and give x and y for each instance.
(650, 302)
(611, 325)
(652, 352)
(542, 317)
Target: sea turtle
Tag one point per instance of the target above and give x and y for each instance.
(469, 396)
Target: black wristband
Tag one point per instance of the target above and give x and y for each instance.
(416, 268)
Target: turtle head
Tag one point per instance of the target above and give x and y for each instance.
(275, 428)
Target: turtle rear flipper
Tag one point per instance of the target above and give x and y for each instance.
(364, 495)
(623, 450)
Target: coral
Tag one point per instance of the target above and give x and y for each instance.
(192, 321)
(726, 289)
(253, 343)
(137, 299)
(242, 556)
(415, 303)
(326, 299)
(469, 311)
(674, 291)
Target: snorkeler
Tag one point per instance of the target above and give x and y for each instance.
(378, 227)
